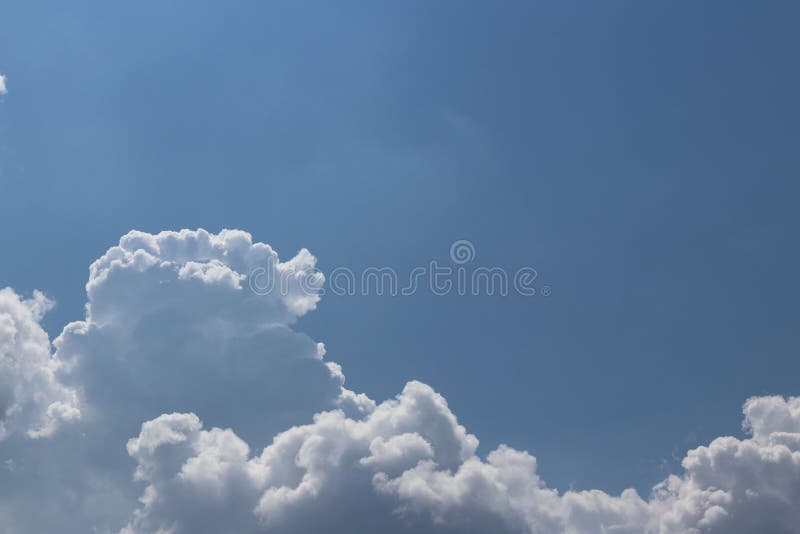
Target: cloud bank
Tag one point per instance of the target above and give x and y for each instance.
(185, 403)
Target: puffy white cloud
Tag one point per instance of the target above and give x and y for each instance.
(208, 273)
(329, 467)
(3, 89)
(33, 401)
(171, 325)
(733, 485)
(409, 467)
(105, 432)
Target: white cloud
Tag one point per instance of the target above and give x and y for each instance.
(168, 328)
(33, 401)
(409, 467)
(106, 431)
(3, 89)
(146, 272)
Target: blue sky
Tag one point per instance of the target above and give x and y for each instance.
(641, 156)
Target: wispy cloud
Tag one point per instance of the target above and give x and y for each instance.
(3, 89)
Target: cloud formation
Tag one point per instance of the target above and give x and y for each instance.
(409, 467)
(185, 403)
(33, 401)
(168, 327)
(3, 89)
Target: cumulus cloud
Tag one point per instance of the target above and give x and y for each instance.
(170, 325)
(33, 401)
(327, 466)
(3, 89)
(185, 402)
(146, 273)
(733, 485)
(410, 467)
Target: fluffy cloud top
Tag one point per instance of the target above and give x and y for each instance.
(108, 432)
(205, 272)
(171, 325)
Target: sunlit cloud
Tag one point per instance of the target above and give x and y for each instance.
(184, 402)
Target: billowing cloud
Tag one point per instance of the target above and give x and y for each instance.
(171, 325)
(409, 467)
(330, 466)
(733, 485)
(33, 401)
(185, 402)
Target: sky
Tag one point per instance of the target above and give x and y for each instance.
(641, 157)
